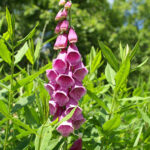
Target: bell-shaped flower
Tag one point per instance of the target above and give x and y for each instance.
(58, 113)
(77, 145)
(61, 42)
(60, 63)
(50, 87)
(53, 107)
(62, 2)
(73, 55)
(78, 121)
(70, 105)
(61, 97)
(51, 75)
(66, 128)
(68, 5)
(57, 29)
(64, 25)
(62, 14)
(65, 80)
(78, 91)
(72, 36)
(80, 71)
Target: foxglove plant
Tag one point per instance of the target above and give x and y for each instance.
(65, 78)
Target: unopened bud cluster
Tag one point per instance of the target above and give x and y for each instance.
(65, 78)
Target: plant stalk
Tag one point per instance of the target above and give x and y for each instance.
(10, 102)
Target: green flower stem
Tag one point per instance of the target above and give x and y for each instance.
(10, 102)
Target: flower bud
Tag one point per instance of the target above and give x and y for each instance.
(68, 5)
(62, 2)
(73, 56)
(57, 29)
(64, 26)
(72, 36)
(62, 14)
(61, 42)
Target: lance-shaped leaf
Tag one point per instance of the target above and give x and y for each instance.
(21, 53)
(4, 52)
(122, 74)
(132, 53)
(108, 54)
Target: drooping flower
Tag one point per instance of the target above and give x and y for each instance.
(77, 145)
(64, 26)
(53, 107)
(62, 14)
(61, 42)
(72, 36)
(60, 63)
(73, 56)
(57, 29)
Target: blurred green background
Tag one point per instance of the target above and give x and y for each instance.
(110, 21)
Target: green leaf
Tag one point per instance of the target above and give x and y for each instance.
(52, 144)
(3, 107)
(37, 50)
(96, 62)
(121, 51)
(100, 102)
(110, 74)
(30, 78)
(132, 53)
(4, 52)
(138, 136)
(29, 36)
(1, 23)
(23, 102)
(140, 65)
(29, 56)
(9, 22)
(112, 124)
(92, 55)
(6, 36)
(67, 117)
(135, 98)
(112, 60)
(21, 53)
(122, 74)
(145, 117)
(3, 121)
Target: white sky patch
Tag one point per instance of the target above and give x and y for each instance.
(111, 1)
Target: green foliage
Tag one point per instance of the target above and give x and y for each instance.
(116, 106)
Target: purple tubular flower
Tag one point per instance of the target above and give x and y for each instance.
(78, 91)
(72, 36)
(65, 80)
(80, 71)
(51, 75)
(77, 145)
(57, 29)
(50, 87)
(61, 42)
(65, 129)
(60, 64)
(62, 2)
(53, 107)
(68, 5)
(78, 121)
(70, 105)
(73, 56)
(64, 26)
(58, 113)
(61, 97)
